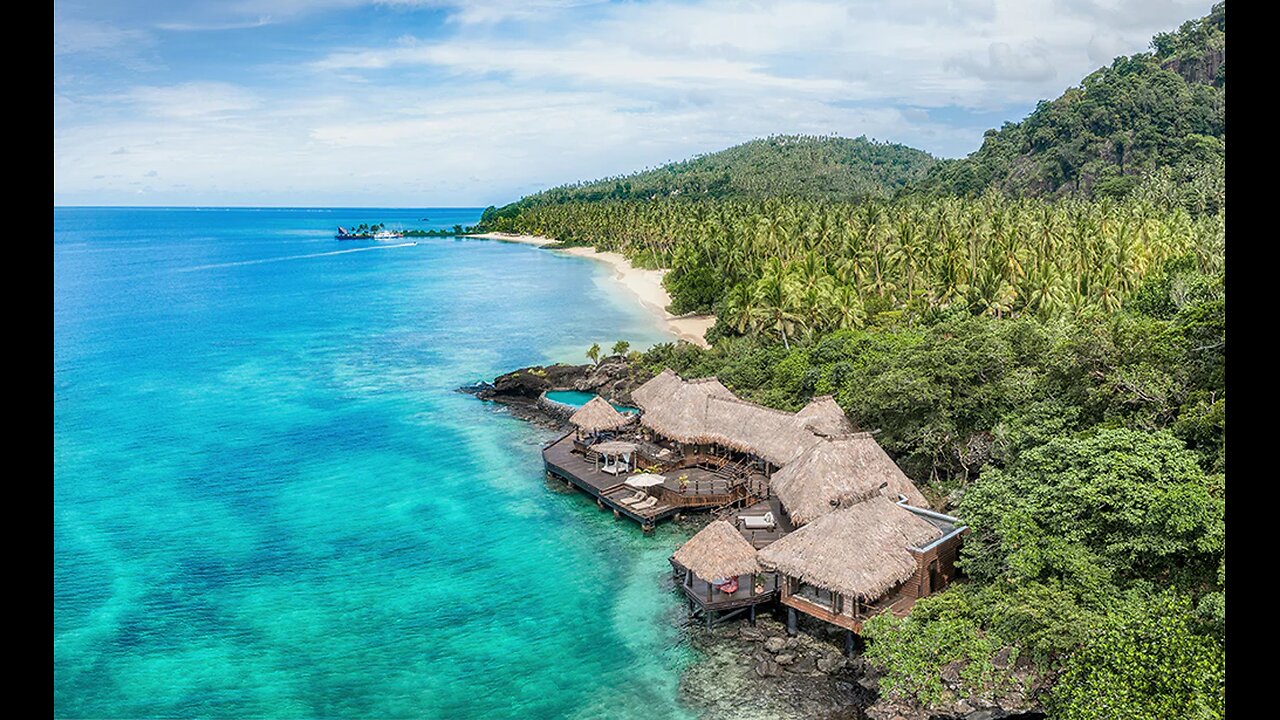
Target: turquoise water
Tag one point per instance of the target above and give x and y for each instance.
(269, 500)
(577, 398)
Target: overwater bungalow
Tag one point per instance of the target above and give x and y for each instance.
(849, 564)
(720, 575)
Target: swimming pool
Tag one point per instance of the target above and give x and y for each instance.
(578, 398)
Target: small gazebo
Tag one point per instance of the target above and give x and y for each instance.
(596, 416)
(720, 571)
(618, 456)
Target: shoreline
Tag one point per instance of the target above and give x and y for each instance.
(645, 285)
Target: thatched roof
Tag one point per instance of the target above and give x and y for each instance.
(597, 414)
(860, 551)
(837, 471)
(717, 551)
(825, 416)
(614, 447)
(705, 411)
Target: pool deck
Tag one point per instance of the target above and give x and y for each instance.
(572, 407)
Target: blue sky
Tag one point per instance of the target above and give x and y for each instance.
(476, 102)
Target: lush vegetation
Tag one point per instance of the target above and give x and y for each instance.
(789, 266)
(442, 232)
(796, 166)
(1037, 334)
(1086, 453)
(1165, 108)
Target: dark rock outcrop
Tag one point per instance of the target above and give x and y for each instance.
(774, 675)
(613, 378)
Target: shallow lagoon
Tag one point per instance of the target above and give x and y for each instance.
(270, 501)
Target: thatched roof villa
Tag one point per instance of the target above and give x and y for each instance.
(855, 562)
(717, 551)
(705, 413)
(838, 471)
(719, 572)
(842, 532)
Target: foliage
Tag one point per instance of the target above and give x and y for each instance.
(1096, 512)
(801, 166)
(939, 632)
(789, 267)
(621, 347)
(1146, 663)
(593, 353)
(1085, 454)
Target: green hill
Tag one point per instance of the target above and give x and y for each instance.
(1161, 109)
(798, 166)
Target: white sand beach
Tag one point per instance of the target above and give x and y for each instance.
(646, 285)
(513, 238)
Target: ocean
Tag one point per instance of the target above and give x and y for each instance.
(271, 501)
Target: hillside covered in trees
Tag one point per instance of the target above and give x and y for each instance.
(1161, 109)
(799, 166)
(1037, 334)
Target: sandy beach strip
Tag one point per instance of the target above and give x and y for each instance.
(646, 285)
(513, 238)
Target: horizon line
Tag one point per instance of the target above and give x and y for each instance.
(278, 207)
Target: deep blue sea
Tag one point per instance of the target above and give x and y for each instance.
(270, 501)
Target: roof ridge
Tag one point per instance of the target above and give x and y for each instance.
(831, 437)
(749, 403)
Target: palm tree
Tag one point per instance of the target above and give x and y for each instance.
(775, 293)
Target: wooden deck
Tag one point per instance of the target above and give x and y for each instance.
(760, 538)
(707, 597)
(702, 488)
(899, 605)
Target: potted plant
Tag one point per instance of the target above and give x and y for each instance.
(759, 583)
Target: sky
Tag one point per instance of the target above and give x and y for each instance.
(468, 103)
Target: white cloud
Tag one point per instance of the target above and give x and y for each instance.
(1028, 63)
(193, 101)
(81, 36)
(508, 98)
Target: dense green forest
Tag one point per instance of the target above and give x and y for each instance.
(801, 166)
(1165, 108)
(789, 267)
(1037, 334)
(1086, 453)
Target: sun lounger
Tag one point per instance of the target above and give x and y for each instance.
(646, 504)
(758, 522)
(638, 497)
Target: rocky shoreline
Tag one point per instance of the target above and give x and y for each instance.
(613, 378)
(747, 671)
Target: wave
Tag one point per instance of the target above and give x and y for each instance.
(260, 261)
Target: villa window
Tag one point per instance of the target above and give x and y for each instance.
(817, 595)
